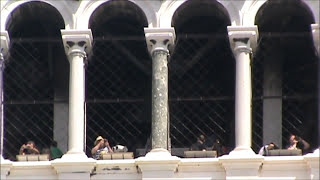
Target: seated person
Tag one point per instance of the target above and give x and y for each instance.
(297, 142)
(200, 145)
(101, 146)
(217, 146)
(55, 152)
(264, 151)
(28, 148)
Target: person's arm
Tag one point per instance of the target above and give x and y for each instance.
(306, 145)
(108, 146)
(35, 150)
(21, 149)
(95, 148)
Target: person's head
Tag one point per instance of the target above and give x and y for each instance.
(271, 146)
(31, 144)
(54, 143)
(100, 141)
(201, 138)
(293, 139)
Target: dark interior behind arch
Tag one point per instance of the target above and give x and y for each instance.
(31, 78)
(201, 75)
(118, 76)
(285, 40)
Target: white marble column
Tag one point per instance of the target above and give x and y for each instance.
(77, 44)
(316, 40)
(242, 162)
(75, 164)
(4, 51)
(243, 41)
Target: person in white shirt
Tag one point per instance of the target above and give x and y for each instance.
(264, 151)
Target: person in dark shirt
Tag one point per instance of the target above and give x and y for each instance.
(200, 145)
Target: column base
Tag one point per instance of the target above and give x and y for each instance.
(5, 166)
(312, 160)
(158, 163)
(243, 152)
(74, 156)
(317, 151)
(242, 164)
(74, 165)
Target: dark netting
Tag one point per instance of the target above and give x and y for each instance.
(257, 103)
(118, 91)
(118, 95)
(201, 90)
(295, 53)
(300, 93)
(28, 95)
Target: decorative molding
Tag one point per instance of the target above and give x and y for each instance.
(244, 167)
(5, 166)
(158, 163)
(77, 41)
(159, 39)
(81, 165)
(246, 35)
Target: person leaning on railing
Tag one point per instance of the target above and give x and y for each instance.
(297, 142)
(29, 148)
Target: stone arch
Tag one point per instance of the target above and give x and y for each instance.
(286, 49)
(36, 72)
(129, 14)
(120, 66)
(201, 67)
(60, 6)
(207, 10)
(251, 13)
(168, 9)
(87, 8)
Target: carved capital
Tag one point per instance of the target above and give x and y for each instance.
(77, 41)
(159, 39)
(4, 44)
(4, 47)
(316, 36)
(243, 39)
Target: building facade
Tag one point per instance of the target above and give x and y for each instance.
(153, 75)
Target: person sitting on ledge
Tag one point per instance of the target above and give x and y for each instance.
(101, 146)
(55, 152)
(29, 148)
